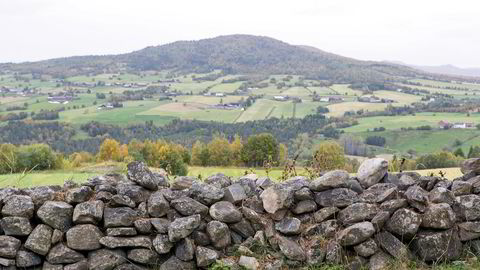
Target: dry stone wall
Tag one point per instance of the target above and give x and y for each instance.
(145, 221)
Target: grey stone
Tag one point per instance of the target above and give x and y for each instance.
(121, 200)
(143, 256)
(437, 245)
(61, 254)
(48, 266)
(219, 234)
(182, 182)
(392, 245)
(205, 193)
(469, 207)
(188, 206)
(235, 193)
(380, 219)
(160, 224)
(393, 205)
(305, 206)
(158, 206)
(16, 226)
(379, 261)
(471, 165)
(183, 227)
(438, 216)
(338, 197)
(84, 237)
(461, 188)
(19, 206)
(173, 263)
(225, 212)
(289, 226)
(334, 252)
(57, 236)
(277, 197)
(327, 228)
(143, 226)
(9, 246)
(404, 223)
(88, 212)
(330, 180)
(417, 197)
(7, 263)
(243, 227)
(137, 193)
(264, 182)
(355, 234)
(57, 215)
(357, 212)
(219, 180)
(371, 171)
(185, 249)
(402, 181)
(119, 217)
(78, 195)
(139, 173)
(201, 238)
(40, 240)
(379, 193)
(325, 213)
(122, 242)
(81, 265)
(27, 259)
(469, 230)
(105, 259)
(441, 195)
(205, 256)
(303, 194)
(161, 244)
(366, 248)
(122, 231)
(249, 263)
(291, 249)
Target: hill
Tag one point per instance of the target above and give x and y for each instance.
(450, 70)
(234, 54)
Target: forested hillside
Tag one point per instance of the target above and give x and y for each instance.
(234, 54)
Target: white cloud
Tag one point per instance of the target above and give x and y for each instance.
(419, 32)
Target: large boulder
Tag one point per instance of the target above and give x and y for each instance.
(84, 237)
(305, 206)
(157, 205)
(183, 227)
(119, 217)
(62, 254)
(358, 212)
(392, 245)
(471, 165)
(404, 222)
(417, 197)
(173, 263)
(325, 213)
(143, 256)
(57, 215)
(106, 259)
(16, 226)
(219, 234)
(438, 216)
(225, 212)
(248, 263)
(26, 259)
(78, 195)
(366, 248)
(235, 193)
(137, 193)
(379, 193)
(139, 173)
(371, 171)
(205, 193)
(19, 206)
(40, 240)
(338, 197)
(437, 245)
(185, 249)
(469, 230)
(441, 195)
(356, 233)
(219, 180)
(183, 182)
(332, 179)
(9, 246)
(243, 228)
(277, 197)
(188, 206)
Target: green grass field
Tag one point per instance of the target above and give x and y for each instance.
(419, 119)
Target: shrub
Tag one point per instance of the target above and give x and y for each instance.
(441, 159)
(375, 140)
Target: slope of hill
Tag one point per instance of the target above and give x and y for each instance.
(234, 54)
(450, 70)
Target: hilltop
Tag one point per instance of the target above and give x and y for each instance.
(234, 54)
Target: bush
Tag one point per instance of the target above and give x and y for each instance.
(328, 155)
(259, 149)
(441, 159)
(375, 140)
(36, 157)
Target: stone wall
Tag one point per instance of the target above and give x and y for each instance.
(143, 220)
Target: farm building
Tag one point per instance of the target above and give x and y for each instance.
(446, 125)
(280, 98)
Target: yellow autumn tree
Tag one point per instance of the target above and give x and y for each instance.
(109, 150)
(236, 149)
(200, 155)
(282, 154)
(219, 151)
(328, 155)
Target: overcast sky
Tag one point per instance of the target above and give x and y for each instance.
(427, 32)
